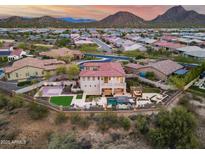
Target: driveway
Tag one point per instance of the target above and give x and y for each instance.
(8, 86)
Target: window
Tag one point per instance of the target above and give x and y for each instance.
(106, 79)
(8, 75)
(27, 74)
(98, 78)
(90, 86)
(83, 78)
(121, 79)
(85, 85)
(93, 78)
(88, 78)
(17, 75)
(36, 73)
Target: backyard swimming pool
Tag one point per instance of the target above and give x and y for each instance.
(118, 100)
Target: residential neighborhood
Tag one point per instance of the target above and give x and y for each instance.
(101, 68)
(126, 85)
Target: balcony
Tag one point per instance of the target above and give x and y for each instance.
(113, 85)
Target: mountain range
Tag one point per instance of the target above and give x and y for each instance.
(77, 20)
(174, 17)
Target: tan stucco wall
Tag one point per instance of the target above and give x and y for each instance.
(23, 71)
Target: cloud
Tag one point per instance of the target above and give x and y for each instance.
(85, 11)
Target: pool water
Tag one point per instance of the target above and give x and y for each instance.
(111, 101)
(117, 100)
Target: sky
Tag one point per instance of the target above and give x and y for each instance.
(87, 11)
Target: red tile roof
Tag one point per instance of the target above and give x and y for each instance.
(48, 64)
(169, 37)
(103, 69)
(169, 44)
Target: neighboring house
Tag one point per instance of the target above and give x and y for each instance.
(103, 78)
(168, 45)
(147, 40)
(82, 41)
(16, 54)
(131, 47)
(12, 54)
(62, 52)
(162, 69)
(29, 67)
(192, 51)
(169, 38)
(126, 45)
(5, 52)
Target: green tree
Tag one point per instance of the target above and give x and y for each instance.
(63, 42)
(47, 75)
(22, 45)
(178, 82)
(66, 59)
(61, 70)
(73, 71)
(174, 129)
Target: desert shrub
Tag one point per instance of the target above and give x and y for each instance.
(37, 112)
(9, 135)
(76, 119)
(142, 124)
(10, 103)
(132, 117)
(3, 123)
(3, 101)
(107, 120)
(67, 141)
(125, 123)
(115, 136)
(14, 103)
(85, 143)
(174, 129)
(184, 101)
(84, 123)
(61, 118)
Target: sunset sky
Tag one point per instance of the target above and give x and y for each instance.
(94, 12)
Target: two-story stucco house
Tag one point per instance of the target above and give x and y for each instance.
(103, 78)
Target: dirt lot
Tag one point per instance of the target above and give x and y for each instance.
(34, 133)
(196, 104)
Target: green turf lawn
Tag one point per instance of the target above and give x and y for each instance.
(80, 96)
(61, 100)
